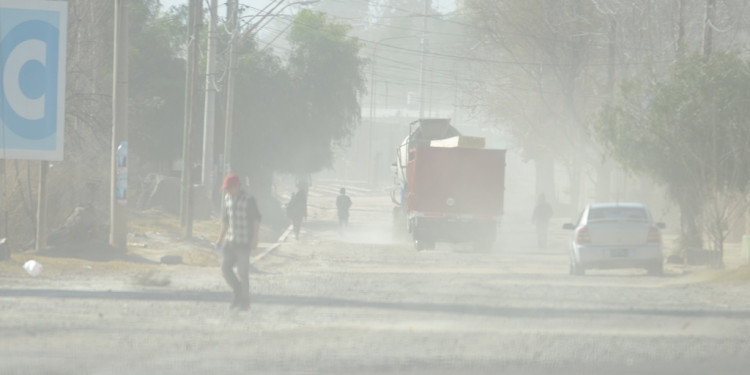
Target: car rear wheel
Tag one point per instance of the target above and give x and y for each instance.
(576, 269)
(657, 269)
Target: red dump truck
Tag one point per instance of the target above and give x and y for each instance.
(449, 187)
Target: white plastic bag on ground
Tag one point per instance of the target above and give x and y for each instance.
(33, 267)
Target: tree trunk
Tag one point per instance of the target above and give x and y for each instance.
(545, 178)
(603, 183)
(574, 171)
(690, 235)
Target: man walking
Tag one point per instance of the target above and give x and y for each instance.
(239, 234)
(343, 203)
(296, 210)
(540, 217)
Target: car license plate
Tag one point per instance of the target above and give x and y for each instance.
(619, 253)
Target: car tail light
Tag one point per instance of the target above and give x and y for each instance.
(654, 236)
(583, 236)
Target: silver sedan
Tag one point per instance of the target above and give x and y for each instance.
(615, 235)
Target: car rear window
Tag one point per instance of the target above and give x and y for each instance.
(618, 214)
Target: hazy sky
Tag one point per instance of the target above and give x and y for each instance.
(441, 5)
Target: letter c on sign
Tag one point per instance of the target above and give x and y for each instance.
(29, 57)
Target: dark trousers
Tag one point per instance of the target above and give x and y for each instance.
(343, 222)
(296, 226)
(541, 233)
(237, 255)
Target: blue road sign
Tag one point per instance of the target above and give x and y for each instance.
(33, 38)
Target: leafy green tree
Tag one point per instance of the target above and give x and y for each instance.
(544, 91)
(157, 82)
(690, 132)
(327, 76)
(291, 116)
(264, 112)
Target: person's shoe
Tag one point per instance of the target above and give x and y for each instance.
(243, 306)
(235, 303)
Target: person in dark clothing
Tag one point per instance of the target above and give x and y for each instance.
(296, 210)
(343, 203)
(240, 228)
(540, 217)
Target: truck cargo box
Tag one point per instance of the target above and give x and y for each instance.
(461, 141)
(456, 181)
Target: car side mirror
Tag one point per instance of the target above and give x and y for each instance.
(661, 225)
(569, 226)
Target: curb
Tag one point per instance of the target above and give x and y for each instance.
(273, 247)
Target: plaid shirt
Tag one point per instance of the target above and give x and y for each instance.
(241, 214)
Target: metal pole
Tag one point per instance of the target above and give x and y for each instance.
(186, 110)
(422, 59)
(370, 166)
(209, 120)
(229, 110)
(118, 211)
(41, 208)
(186, 207)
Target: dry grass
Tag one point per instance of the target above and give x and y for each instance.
(152, 234)
(150, 221)
(736, 275)
(151, 278)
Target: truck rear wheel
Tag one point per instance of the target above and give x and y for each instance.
(483, 245)
(400, 226)
(424, 244)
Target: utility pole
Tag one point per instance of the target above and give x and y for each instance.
(118, 231)
(229, 110)
(422, 59)
(41, 208)
(370, 166)
(708, 28)
(186, 206)
(209, 119)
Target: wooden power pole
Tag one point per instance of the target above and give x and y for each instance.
(209, 116)
(191, 117)
(118, 231)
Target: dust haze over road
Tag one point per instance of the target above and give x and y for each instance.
(366, 304)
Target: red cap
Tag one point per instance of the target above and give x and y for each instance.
(231, 180)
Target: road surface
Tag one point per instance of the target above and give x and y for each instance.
(362, 303)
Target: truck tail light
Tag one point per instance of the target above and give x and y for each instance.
(654, 236)
(583, 236)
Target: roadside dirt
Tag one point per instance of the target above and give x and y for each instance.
(152, 235)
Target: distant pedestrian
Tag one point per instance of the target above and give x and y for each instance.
(343, 203)
(540, 217)
(296, 210)
(240, 227)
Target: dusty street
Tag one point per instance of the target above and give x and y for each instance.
(363, 304)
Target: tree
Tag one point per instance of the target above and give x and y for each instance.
(542, 79)
(292, 115)
(328, 79)
(691, 132)
(157, 81)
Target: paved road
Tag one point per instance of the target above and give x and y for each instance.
(364, 304)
